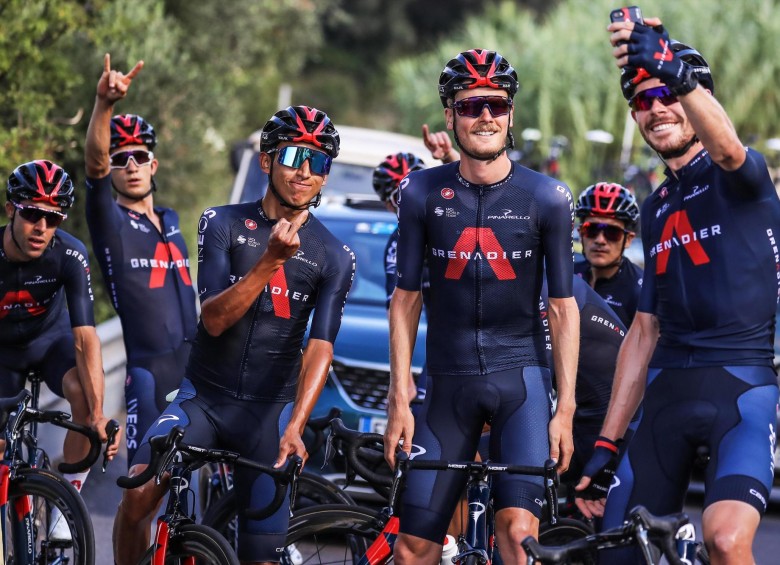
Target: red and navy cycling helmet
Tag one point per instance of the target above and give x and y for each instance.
(41, 181)
(300, 124)
(129, 129)
(389, 173)
(475, 69)
(630, 77)
(608, 199)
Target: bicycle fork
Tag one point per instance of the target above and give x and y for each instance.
(177, 503)
(21, 519)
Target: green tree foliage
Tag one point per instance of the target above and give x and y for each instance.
(211, 75)
(569, 82)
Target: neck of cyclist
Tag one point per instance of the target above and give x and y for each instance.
(142, 203)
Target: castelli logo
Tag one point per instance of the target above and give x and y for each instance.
(447, 193)
(250, 224)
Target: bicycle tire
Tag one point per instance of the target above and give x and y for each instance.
(332, 533)
(313, 490)
(205, 544)
(45, 490)
(564, 531)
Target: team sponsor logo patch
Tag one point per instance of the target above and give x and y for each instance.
(250, 224)
(447, 193)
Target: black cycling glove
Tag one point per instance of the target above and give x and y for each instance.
(649, 48)
(601, 469)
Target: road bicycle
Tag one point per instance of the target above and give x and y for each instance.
(359, 535)
(219, 505)
(30, 491)
(651, 534)
(179, 540)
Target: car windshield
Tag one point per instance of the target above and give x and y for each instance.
(368, 240)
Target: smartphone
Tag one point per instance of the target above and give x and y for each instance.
(629, 14)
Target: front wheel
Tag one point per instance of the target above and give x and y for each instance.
(334, 533)
(194, 541)
(36, 498)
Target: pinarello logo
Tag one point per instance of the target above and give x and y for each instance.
(250, 224)
(447, 193)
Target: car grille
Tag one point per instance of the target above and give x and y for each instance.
(365, 387)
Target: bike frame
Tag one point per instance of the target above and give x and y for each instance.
(176, 513)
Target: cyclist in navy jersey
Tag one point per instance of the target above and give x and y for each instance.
(141, 252)
(700, 346)
(608, 214)
(264, 266)
(486, 227)
(43, 270)
(386, 178)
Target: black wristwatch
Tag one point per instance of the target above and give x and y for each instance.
(687, 84)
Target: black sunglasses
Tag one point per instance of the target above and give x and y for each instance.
(643, 101)
(33, 214)
(472, 107)
(141, 158)
(612, 233)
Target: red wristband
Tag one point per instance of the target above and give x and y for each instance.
(607, 443)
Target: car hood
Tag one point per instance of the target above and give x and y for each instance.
(364, 337)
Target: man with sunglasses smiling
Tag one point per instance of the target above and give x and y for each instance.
(141, 252)
(487, 228)
(609, 214)
(250, 383)
(46, 316)
(698, 355)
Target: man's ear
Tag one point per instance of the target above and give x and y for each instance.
(449, 118)
(265, 162)
(9, 210)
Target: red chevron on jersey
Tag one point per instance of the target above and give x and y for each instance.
(20, 299)
(494, 253)
(167, 257)
(679, 224)
(279, 297)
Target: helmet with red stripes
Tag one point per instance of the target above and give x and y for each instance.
(475, 69)
(608, 199)
(41, 181)
(300, 124)
(129, 129)
(389, 173)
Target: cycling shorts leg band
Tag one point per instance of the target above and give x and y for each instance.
(741, 488)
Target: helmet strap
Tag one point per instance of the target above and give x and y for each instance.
(681, 151)
(13, 236)
(313, 203)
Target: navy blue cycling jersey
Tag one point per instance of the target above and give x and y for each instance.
(712, 264)
(620, 291)
(486, 246)
(259, 356)
(391, 270)
(33, 294)
(601, 334)
(146, 271)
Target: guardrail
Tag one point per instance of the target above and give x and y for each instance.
(114, 359)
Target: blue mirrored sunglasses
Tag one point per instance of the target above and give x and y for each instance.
(294, 156)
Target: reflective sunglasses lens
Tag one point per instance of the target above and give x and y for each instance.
(611, 233)
(292, 156)
(472, 107)
(139, 156)
(644, 100)
(34, 215)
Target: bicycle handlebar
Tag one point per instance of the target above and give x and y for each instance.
(25, 415)
(351, 441)
(164, 448)
(641, 528)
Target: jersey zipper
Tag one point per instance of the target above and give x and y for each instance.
(478, 287)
